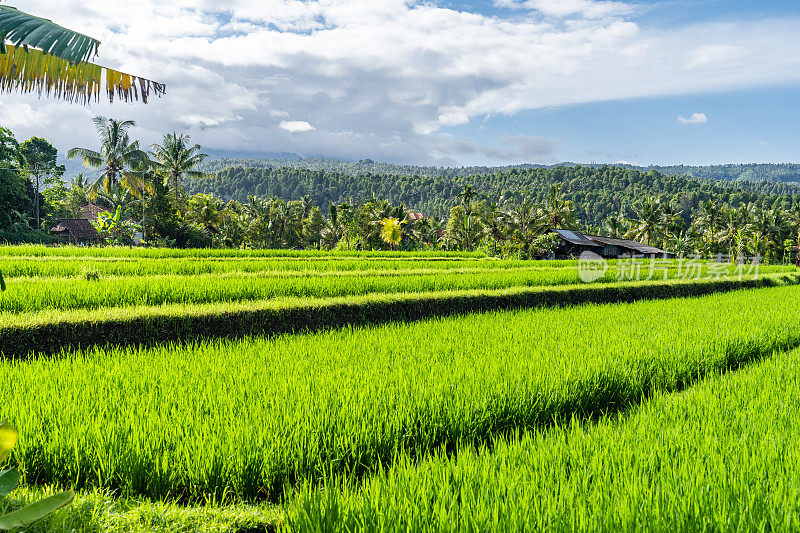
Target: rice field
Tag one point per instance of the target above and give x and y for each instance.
(41, 278)
(722, 456)
(566, 418)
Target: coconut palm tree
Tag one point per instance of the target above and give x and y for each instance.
(648, 224)
(615, 226)
(682, 243)
(175, 158)
(119, 157)
(556, 212)
(206, 210)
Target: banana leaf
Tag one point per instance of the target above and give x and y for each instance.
(8, 439)
(35, 511)
(9, 479)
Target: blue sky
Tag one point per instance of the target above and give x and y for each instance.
(743, 125)
(447, 82)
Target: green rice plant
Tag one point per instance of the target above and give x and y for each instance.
(32, 250)
(249, 418)
(90, 274)
(721, 456)
(52, 330)
(54, 267)
(30, 295)
(9, 479)
(104, 511)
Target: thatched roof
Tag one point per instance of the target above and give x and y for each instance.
(77, 228)
(91, 211)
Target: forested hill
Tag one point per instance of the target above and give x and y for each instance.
(596, 192)
(781, 172)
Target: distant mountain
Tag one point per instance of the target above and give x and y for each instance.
(255, 156)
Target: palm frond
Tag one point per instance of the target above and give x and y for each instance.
(32, 70)
(90, 158)
(25, 30)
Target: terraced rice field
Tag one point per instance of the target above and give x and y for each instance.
(583, 416)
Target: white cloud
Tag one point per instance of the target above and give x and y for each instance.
(696, 118)
(296, 126)
(383, 78)
(565, 8)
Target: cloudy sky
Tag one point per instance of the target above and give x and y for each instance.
(446, 82)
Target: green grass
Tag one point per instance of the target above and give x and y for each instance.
(245, 418)
(103, 511)
(722, 456)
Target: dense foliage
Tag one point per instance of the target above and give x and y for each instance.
(780, 172)
(596, 192)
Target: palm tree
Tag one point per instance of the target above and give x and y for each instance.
(119, 157)
(759, 244)
(649, 222)
(615, 226)
(391, 231)
(495, 221)
(681, 243)
(734, 227)
(467, 195)
(175, 159)
(556, 212)
(206, 210)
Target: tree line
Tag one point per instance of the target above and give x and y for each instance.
(161, 196)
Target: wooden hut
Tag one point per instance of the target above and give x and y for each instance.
(78, 231)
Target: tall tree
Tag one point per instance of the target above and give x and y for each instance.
(391, 231)
(175, 158)
(648, 224)
(557, 212)
(119, 157)
(14, 190)
(41, 165)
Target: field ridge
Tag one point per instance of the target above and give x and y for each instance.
(52, 331)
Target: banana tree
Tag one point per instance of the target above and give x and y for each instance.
(39, 55)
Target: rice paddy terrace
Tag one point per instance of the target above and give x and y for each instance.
(253, 390)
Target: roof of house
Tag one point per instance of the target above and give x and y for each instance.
(575, 237)
(582, 239)
(628, 244)
(91, 211)
(415, 216)
(78, 228)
